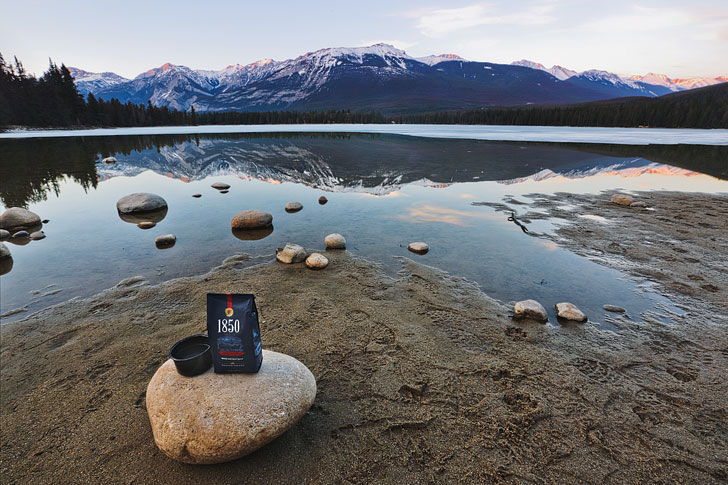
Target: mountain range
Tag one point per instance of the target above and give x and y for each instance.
(374, 78)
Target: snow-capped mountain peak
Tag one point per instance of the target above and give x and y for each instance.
(436, 59)
(559, 72)
(87, 82)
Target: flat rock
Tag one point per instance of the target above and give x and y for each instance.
(294, 207)
(18, 218)
(418, 247)
(4, 251)
(140, 202)
(317, 261)
(109, 160)
(146, 224)
(530, 309)
(37, 235)
(214, 418)
(335, 241)
(4, 234)
(614, 308)
(569, 311)
(292, 253)
(639, 203)
(622, 199)
(220, 186)
(251, 219)
(166, 241)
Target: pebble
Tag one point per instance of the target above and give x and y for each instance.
(292, 253)
(622, 199)
(418, 247)
(530, 309)
(140, 202)
(220, 186)
(18, 218)
(569, 311)
(166, 241)
(196, 196)
(614, 308)
(323, 200)
(335, 241)
(224, 191)
(251, 219)
(45, 221)
(317, 261)
(215, 418)
(37, 235)
(294, 207)
(146, 224)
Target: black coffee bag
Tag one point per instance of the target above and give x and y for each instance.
(234, 333)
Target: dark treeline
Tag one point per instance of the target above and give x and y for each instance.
(53, 101)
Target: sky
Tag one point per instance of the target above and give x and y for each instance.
(677, 38)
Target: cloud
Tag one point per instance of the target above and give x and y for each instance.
(641, 19)
(437, 22)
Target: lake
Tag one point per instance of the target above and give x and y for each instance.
(384, 189)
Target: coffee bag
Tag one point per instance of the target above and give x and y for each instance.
(234, 332)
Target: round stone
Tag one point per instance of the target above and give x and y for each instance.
(109, 160)
(292, 253)
(622, 199)
(146, 224)
(418, 247)
(251, 219)
(530, 309)
(569, 311)
(4, 234)
(37, 235)
(323, 200)
(140, 202)
(317, 261)
(166, 241)
(220, 186)
(18, 218)
(214, 418)
(335, 241)
(294, 207)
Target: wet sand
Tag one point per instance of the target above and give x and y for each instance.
(421, 378)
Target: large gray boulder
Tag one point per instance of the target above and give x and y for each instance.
(18, 218)
(140, 202)
(214, 418)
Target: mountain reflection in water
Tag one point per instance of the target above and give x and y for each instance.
(377, 164)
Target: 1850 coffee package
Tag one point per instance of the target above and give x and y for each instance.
(234, 333)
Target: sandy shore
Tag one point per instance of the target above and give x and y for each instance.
(421, 378)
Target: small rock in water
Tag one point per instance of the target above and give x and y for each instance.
(614, 308)
(323, 200)
(335, 241)
(639, 203)
(45, 221)
(220, 186)
(317, 261)
(4, 234)
(140, 202)
(4, 251)
(196, 196)
(251, 219)
(530, 309)
(146, 224)
(622, 199)
(418, 247)
(18, 218)
(569, 311)
(37, 235)
(166, 241)
(21, 234)
(294, 207)
(224, 191)
(214, 418)
(292, 253)
(109, 160)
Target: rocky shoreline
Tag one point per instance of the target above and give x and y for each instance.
(421, 378)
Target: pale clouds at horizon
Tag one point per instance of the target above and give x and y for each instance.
(667, 37)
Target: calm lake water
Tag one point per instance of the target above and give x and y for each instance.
(384, 191)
